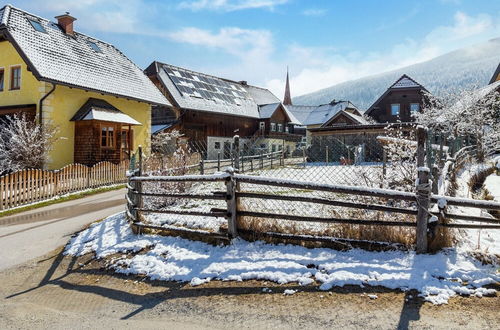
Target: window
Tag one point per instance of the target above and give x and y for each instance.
(15, 77)
(280, 127)
(217, 145)
(124, 139)
(94, 46)
(262, 125)
(395, 109)
(107, 137)
(273, 148)
(287, 129)
(414, 107)
(2, 74)
(273, 127)
(37, 26)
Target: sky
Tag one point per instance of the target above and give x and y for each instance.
(321, 42)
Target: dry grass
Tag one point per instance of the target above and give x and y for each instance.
(477, 180)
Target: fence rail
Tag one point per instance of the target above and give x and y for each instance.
(35, 185)
(423, 210)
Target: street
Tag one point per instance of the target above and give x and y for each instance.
(31, 234)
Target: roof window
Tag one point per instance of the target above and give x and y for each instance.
(94, 46)
(37, 25)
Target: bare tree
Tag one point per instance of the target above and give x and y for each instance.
(24, 143)
(470, 113)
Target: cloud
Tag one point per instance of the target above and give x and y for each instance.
(243, 43)
(314, 68)
(314, 12)
(230, 5)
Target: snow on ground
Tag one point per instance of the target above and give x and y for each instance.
(492, 184)
(487, 241)
(437, 277)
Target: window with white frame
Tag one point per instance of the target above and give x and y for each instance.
(287, 129)
(15, 77)
(395, 109)
(280, 127)
(262, 125)
(414, 107)
(217, 145)
(273, 127)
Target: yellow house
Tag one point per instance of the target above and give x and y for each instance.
(99, 100)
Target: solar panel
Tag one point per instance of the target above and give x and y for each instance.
(211, 88)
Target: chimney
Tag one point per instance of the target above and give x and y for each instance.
(243, 82)
(66, 23)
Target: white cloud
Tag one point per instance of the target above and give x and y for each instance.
(314, 12)
(317, 68)
(230, 5)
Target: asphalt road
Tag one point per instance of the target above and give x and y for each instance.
(31, 234)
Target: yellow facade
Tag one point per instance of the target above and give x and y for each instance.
(62, 104)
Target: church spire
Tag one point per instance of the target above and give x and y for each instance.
(287, 100)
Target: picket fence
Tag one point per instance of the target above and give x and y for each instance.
(35, 185)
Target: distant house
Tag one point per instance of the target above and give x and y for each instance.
(348, 132)
(99, 99)
(399, 102)
(496, 75)
(210, 110)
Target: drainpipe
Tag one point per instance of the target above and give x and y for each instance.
(40, 105)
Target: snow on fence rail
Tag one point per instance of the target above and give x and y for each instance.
(427, 218)
(35, 185)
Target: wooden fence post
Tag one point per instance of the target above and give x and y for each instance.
(218, 161)
(138, 185)
(261, 160)
(304, 155)
(423, 192)
(232, 206)
(236, 142)
(202, 167)
(326, 155)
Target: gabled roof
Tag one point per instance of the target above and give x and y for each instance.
(68, 60)
(358, 120)
(404, 82)
(318, 115)
(202, 92)
(495, 75)
(97, 109)
(267, 110)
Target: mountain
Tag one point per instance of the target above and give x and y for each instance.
(463, 68)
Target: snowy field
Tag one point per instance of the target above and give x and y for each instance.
(486, 241)
(437, 277)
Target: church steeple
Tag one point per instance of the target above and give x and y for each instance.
(287, 100)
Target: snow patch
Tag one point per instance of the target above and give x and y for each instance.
(437, 277)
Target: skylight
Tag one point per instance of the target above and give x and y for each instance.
(37, 26)
(94, 46)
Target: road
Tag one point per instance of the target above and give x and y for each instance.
(31, 234)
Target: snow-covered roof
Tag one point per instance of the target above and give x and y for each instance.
(97, 109)
(358, 120)
(199, 91)
(405, 82)
(59, 58)
(318, 115)
(495, 74)
(267, 110)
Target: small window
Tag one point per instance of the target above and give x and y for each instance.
(273, 127)
(273, 148)
(280, 127)
(395, 109)
(287, 129)
(414, 107)
(263, 146)
(15, 77)
(2, 75)
(94, 46)
(217, 145)
(37, 26)
(107, 137)
(262, 125)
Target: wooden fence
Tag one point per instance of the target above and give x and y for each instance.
(30, 186)
(427, 218)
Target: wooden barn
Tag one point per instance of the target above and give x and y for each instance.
(210, 110)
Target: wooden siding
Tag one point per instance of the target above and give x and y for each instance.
(404, 97)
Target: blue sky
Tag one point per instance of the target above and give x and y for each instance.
(323, 42)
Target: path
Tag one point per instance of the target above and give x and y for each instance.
(31, 234)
